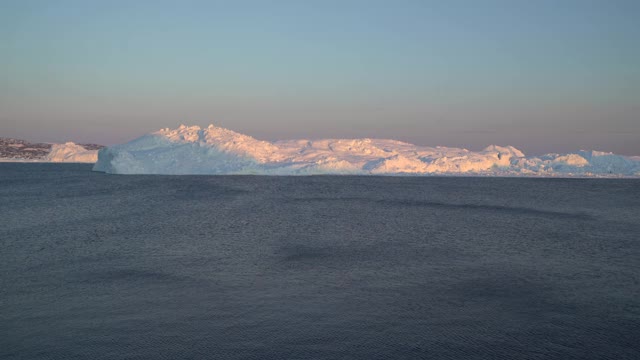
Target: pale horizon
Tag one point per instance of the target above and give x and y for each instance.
(543, 77)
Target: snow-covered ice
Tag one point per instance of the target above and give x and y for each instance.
(71, 152)
(16, 150)
(215, 150)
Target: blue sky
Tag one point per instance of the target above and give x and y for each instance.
(540, 75)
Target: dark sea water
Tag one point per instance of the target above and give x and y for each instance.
(96, 266)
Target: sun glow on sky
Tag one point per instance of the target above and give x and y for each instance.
(542, 76)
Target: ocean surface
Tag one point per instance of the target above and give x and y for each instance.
(96, 266)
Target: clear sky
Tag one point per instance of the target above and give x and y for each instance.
(544, 75)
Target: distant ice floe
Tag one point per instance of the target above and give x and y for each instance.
(215, 150)
(16, 150)
(71, 152)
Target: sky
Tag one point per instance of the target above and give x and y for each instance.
(544, 76)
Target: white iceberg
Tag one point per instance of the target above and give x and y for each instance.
(215, 150)
(17, 150)
(71, 152)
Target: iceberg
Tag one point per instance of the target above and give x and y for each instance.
(17, 150)
(71, 152)
(215, 150)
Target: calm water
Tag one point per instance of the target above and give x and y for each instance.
(95, 266)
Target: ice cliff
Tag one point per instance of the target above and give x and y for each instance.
(71, 152)
(215, 150)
